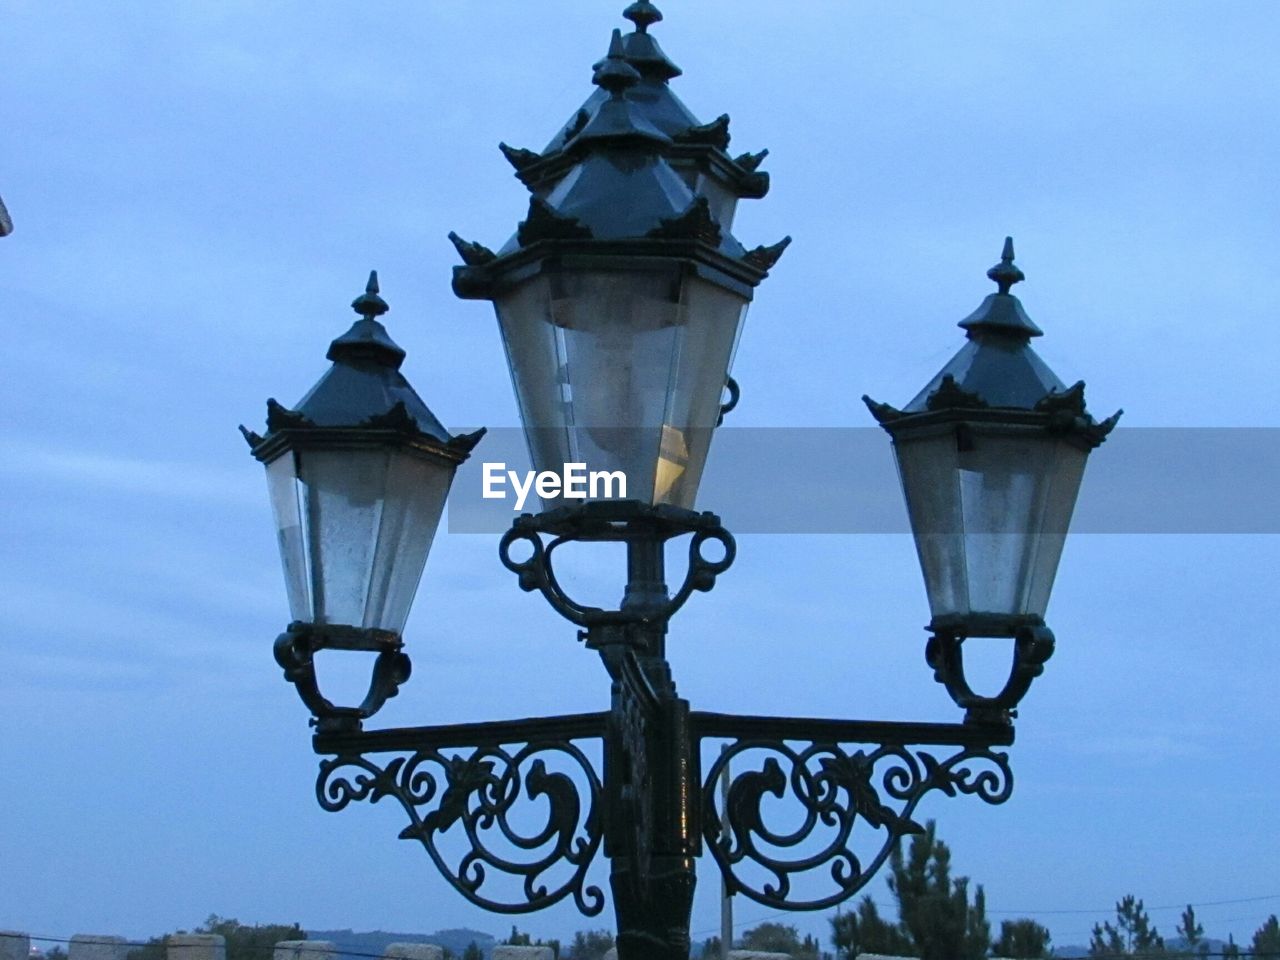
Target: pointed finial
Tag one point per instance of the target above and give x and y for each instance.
(369, 304)
(613, 73)
(1006, 273)
(643, 14)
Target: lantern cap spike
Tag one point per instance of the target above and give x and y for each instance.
(1006, 273)
(643, 14)
(613, 73)
(369, 304)
(642, 50)
(1002, 312)
(617, 118)
(367, 340)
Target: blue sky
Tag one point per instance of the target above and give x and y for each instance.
(199, 190)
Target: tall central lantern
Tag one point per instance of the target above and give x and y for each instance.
(621, 296)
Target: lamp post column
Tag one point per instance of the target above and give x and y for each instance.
(652, 826)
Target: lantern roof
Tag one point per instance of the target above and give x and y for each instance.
(996, 370)
(652, 100)
(997, 365)
(364, 389)
(615, 181)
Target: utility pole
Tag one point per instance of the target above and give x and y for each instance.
(726, 901)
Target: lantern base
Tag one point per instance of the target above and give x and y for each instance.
(295, 651)
(645, 529)
(1033, 645)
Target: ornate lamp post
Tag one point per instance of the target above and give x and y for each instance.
(620, 299)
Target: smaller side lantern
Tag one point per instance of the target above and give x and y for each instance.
(991, 454)
(358, 474)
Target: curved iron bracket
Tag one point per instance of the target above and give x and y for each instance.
(735, 394)
(606, 521)
(484, 797)
(836, 788)
(295, 651)
(1033, 645)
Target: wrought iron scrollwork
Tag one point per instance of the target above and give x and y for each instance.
(835, 788)
(477, 794)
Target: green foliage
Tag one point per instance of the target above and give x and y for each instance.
(771, 938)
(936, 920)
(250, 942)
(1133, 932)
(780, 938)
(590, 945)
(934, 909)
(244, 942)
(153, 949)
(1266, 940)
(517, 939)
(473, 952)
(865, 931)
(1023, 939)
(1191, 931)
(1230, 950)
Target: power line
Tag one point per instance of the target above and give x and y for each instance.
(1028, 913)
(1171, 906)
(160, 941)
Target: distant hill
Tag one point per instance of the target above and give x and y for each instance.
(363, 946)
(1209, 944)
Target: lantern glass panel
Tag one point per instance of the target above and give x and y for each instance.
(367, 517)
(282, 483)
(622, 370)
(989, 509)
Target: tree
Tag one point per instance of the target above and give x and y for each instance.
(934, 909)
(590, 945)
(473, 952)
(1132, 933)
(772, 938)
(780, 938)
(1023, 939)
(1230, 950)
(936, 921)
(1189, 930)
(153, 949)
(243, 941)
(517, 939)
(246, 942)
(865, 931)
(1266, 940)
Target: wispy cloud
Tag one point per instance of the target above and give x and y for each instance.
(191, 481)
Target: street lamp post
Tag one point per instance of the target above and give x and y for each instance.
(620, 300)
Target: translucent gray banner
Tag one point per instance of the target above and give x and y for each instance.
(843, 480)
